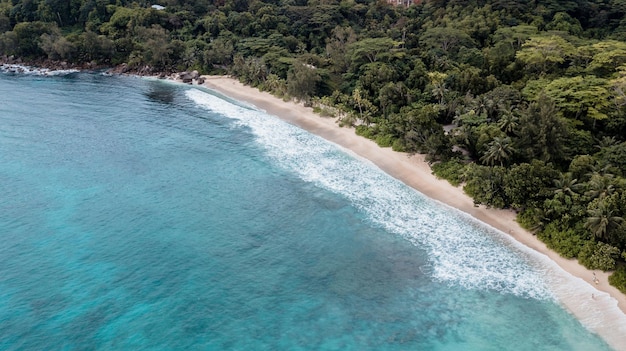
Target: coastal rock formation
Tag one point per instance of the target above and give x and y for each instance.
(188, 77)
(185, 77)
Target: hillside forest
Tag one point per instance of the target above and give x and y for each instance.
(523, 103)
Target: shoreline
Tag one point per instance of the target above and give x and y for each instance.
(606, 303)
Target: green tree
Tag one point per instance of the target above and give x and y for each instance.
(602, 220)
(565, 23)
(509, 121)
(542, 131)
(156, 48)
(28, 38)
(366, 109)
(302, 80)
(445, 39)
(598, 255)
(608, 55)
(600, 186)
(544, 53)
(337, 48)
(250, 70)
(581, 97)
(219, 52)
(56, 46)
(566, 184)
(392, 96)
(374, 76)
(515, 36)
(94, 47)
(530, 184)
(499, 151)
(486, 185)
(371, 50)
(438, 85)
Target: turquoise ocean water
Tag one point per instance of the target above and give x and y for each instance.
(143, 215)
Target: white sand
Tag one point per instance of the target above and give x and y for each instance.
(599, 314)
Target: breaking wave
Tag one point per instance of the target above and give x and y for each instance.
(461, 250)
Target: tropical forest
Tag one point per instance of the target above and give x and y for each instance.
(522, 103)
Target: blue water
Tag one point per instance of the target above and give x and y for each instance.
(143, 215)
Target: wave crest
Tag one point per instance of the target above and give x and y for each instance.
(21, 69)
(461, 250)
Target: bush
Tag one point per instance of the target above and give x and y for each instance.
(451, 170)
(398, 145)
(618, 279)
(566, 242)
(598, 255)
(486, 185)
(385, 140)
(364, 131)
(527, 218)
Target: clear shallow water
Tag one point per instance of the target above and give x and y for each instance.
(144, 215)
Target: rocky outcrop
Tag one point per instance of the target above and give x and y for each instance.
(189, 77)
(185, 77)
(50, 67)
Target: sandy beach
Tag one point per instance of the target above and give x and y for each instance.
(601, 307)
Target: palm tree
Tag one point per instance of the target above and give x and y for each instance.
(483, 105)
(566, 185)
(602, 221)
(600, 186)
(499, 150)
(508, 121)
(540, 218)
(607, 142)
(275, 85)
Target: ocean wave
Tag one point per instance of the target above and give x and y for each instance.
(21, 69)
(462, 250)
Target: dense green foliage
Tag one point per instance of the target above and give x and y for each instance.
(618, 279)
(528, 99)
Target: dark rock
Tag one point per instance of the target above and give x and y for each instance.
(186, 77)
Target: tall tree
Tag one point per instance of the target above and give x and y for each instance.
(566, 184)
(542, 131)
(337, 48)
(302, 79)
(499, 151)
(543, 53)
(602, 220)
(581, 97)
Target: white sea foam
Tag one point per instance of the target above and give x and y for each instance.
(462, 250)
(14, 68)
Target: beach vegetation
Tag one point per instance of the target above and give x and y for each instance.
(618, 278)
(598, 255)
(450, 170)
(521, 103)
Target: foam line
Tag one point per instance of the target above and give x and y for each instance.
(461, 250)
(21, 69)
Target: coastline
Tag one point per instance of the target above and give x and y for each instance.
(606, 303)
